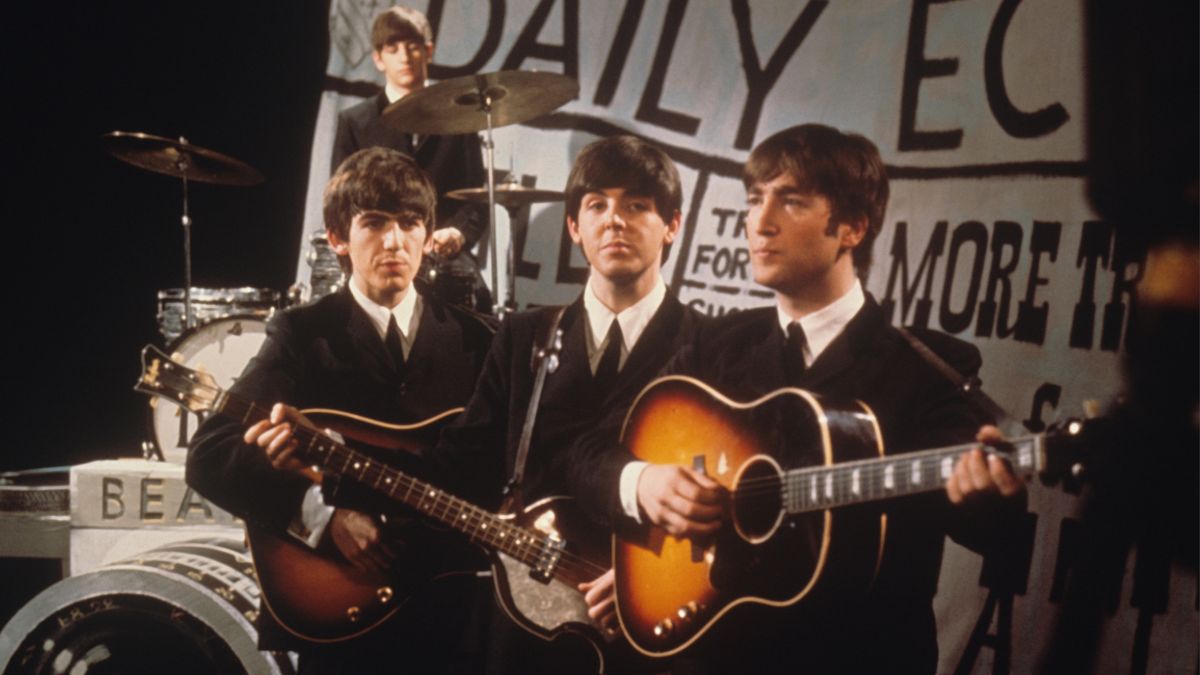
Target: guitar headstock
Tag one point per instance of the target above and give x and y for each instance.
(194, 390)
(1068, 454)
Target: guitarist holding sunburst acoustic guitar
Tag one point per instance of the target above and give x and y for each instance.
(729, 558)
(375, 349)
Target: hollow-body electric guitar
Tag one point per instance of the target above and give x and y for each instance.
(536, 562)
(805, 532)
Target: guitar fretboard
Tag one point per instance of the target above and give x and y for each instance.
(823, 487)
(540, 552)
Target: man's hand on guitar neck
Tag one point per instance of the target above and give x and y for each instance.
(274, 435)
(977, 474)
(680, 500)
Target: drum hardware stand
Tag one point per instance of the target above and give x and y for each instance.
(183, 164)
(484, 99)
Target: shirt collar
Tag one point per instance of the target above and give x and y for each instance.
(407, 313)
(824, 325)
(633, 319)
(392, 93)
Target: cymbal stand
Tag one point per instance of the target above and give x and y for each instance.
(183, 164)
(485, 106)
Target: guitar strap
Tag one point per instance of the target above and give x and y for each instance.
(544, 360)
(970, 387)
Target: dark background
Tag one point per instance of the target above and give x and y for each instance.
(91, 239)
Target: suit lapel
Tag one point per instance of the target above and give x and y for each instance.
(574, 374)
(364, 340)
(859, 347)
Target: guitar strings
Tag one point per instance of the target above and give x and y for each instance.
(577, 567)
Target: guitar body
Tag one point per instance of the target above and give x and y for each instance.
(669, 591)
(318, 596)
(555, 608)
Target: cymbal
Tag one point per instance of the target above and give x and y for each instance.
(454, 106)
(179, 158)
(508, 195)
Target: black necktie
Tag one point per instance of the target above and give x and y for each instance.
(393, 343)
(793, 352)
(610, 361)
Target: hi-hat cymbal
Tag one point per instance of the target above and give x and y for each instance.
(508, 195)
(455, 106)
(179, 158)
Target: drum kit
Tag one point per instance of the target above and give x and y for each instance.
(219, 329)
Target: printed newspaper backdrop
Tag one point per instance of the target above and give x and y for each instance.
(978, 107)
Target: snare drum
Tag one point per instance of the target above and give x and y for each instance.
(210, 304)
(223, 348)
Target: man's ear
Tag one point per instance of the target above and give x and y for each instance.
(852, 232)
(573, 230)
(340, 246)
(673, 226)
(377, 59)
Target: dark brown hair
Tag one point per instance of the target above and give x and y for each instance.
(378, 179)
(845, 168)
(400, 24)
(625, 162)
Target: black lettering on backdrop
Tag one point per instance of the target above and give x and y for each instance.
(491, 39)
(1124, 288)
(1094, 246)
(1032, 317)
(618, 52)
(648, 108)
(1005, 235)
(722, 216)
(917, 68)
(976, 233)
(739, 224)
(722, 262)
(1017, 123)
(708, 308)
(1046, 394)
(527, 45)
(908, 292)
(759, 80)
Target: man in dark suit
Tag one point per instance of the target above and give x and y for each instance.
(377, 348)
(623, 200)
(402, 49)
(816, 202)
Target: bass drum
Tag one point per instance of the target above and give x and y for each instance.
(185, 608)
(223, 348)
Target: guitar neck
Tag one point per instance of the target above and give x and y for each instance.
(540, 552)
(823, 487)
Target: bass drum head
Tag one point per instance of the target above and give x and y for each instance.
(222, 348)
(185, 608)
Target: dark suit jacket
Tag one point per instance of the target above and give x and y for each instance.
(453, 162)
(328, 355)
(475, 456)
(741, 355)
(477, 453)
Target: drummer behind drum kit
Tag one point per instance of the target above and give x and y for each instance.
(218, 330)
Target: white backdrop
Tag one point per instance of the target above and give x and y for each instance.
(978, 107)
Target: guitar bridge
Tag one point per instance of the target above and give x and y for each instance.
(547, 559)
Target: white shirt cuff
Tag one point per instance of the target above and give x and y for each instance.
(314, 517)
(628, 488)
